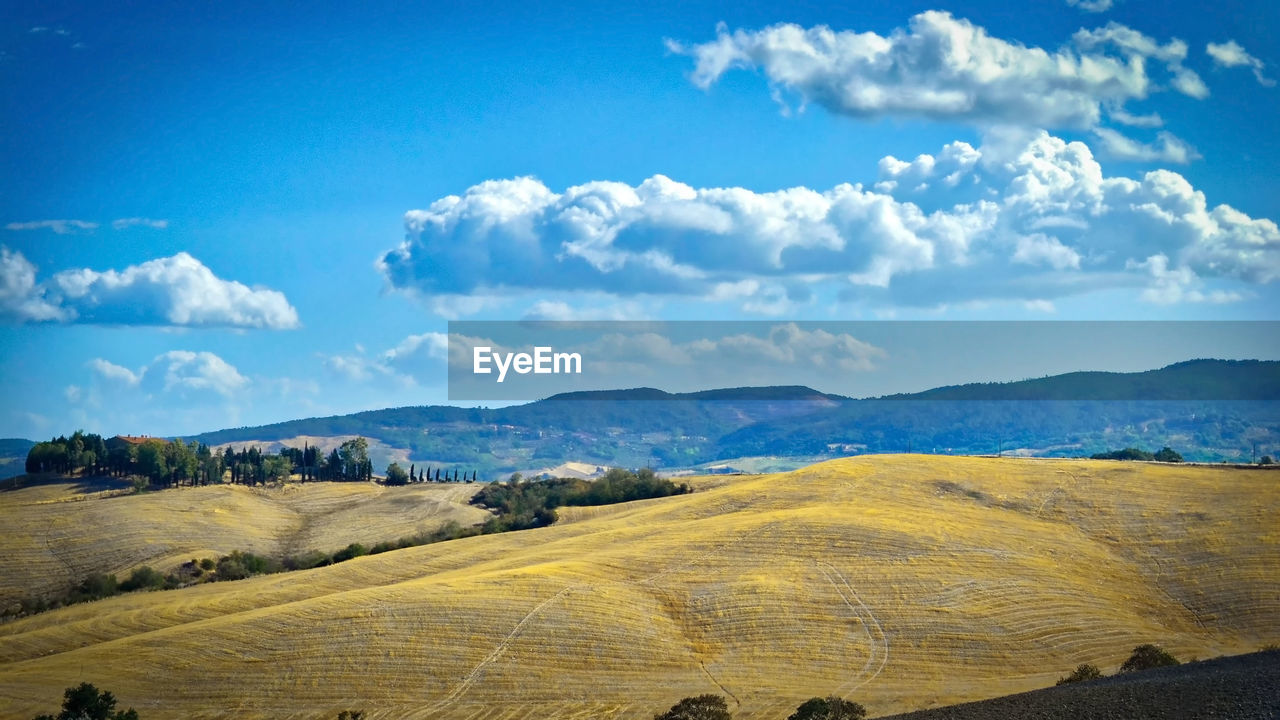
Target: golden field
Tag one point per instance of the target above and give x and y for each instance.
(56, 534)
(901, 582)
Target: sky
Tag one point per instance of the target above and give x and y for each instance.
(223, 214)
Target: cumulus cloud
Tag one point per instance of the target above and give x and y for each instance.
(60, 227)
(21, 299)
(416, 358)
(1092, 6)
(176, 371)
(1046, 223)
(1230, 54)
(1167, 148)
(126, 223)
(947, 68)
(115, 373)
(177, 291)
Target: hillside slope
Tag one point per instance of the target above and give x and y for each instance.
(57, 534)
(1241, 687)
(904, 582)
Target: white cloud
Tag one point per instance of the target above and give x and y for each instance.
(126, 223)
(60, 227)
(186, 370)
(789, 344)
(176, 371)
(1168, 148)
(115, 373)
(1047, 223)
(1150, 120)
(559, 310)
(1174, 285)
(1093, 6)
(1231, 54)
(417, 357)
(176, 291)
(21, 299)
(1041, 249)
(947, 68)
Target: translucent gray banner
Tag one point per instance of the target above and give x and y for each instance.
(529, 360)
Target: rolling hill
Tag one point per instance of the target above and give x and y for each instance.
(1209, 410)
(58, 533)
(903, 582)
(13, 456)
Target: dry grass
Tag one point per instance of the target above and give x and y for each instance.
(56, 534)
(900, 581)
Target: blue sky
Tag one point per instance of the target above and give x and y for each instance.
(223, 215)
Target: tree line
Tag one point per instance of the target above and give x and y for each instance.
(174, 462)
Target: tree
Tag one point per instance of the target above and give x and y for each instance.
(396, 475)
(702, 707)
(828, 708)
(1167, 454)
(1148, 656)
(1265, 460)
(85, 702)
(354, 456)
(1083, 672)
(277, 467)
(151, 460)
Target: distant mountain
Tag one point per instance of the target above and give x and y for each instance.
(1190, 380)
(1206, 409)
(13, 456)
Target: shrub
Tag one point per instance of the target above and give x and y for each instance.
(143, 578)
(351, 715)
(94, 587)
(1145, 657)
(396, 475)
(307, 560)
(828, 708)
(85, 702)
(702, 707)
(354, 550)
(230, 568)
(1083, 672)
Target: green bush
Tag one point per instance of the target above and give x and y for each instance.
(828, 708)
(85, 702)
(701, 707)
(143, 578)
(94, 587)
(229, 568)
(1083, 672)
(307, 560)
(1146, 657)
(354, 550)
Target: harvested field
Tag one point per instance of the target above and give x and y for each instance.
(55, 534)
(902, 582)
